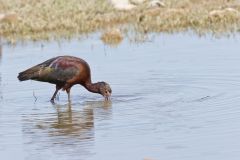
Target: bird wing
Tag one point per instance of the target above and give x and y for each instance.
(56, 70)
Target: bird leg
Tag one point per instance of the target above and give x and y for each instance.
(68, 92)
(55, 93)
(67, 88)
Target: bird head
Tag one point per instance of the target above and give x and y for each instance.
(105, 90)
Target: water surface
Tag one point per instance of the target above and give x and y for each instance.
(174, 97)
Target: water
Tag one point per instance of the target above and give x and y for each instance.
(174, 97)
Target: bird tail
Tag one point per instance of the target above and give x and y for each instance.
(33, 73)
(30, 73)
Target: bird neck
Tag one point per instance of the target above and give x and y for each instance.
(92, 87)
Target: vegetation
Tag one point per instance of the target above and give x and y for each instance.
(45, 19)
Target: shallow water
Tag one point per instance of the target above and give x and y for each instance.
(174, 97)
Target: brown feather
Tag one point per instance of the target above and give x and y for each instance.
(65, 71)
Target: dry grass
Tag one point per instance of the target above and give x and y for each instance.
(44, 19)
(112, 37)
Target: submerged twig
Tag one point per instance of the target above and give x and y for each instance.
(34, 96)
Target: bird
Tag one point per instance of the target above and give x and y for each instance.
(65, 72)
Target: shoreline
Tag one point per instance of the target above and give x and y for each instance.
(51, 19)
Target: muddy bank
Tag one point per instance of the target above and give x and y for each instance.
(37, 20)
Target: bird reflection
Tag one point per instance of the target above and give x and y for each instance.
(67, 131)
(69, 122)
(77, 122)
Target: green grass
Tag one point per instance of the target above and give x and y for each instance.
(46, 19)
